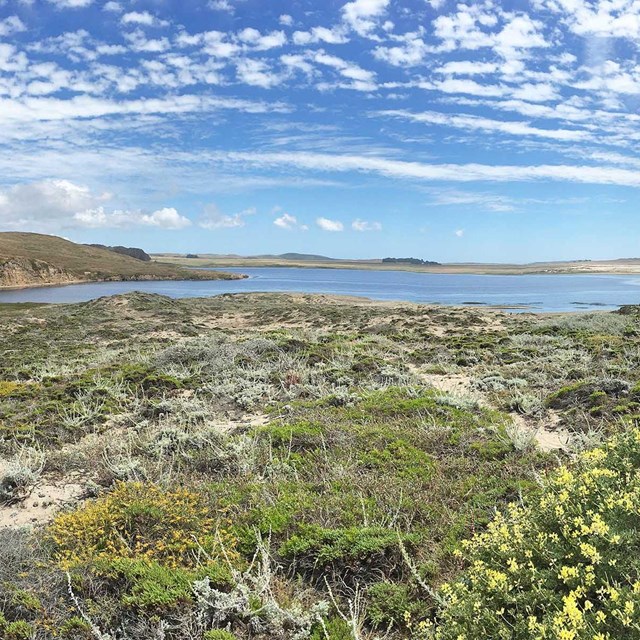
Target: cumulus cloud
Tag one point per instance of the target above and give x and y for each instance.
(329, 225)
(257, 73)
(11, 25)
(167, 218)
(53, 205)
(458, 233)
(286, 221)
(411, 52)
(363, 15)
(262, 42)
(480, 25)
(619, 19)
(143, 18)
(114, 7)
(364, 225)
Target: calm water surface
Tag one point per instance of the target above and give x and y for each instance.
(536, 292)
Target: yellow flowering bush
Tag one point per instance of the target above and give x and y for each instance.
(139, 521)
(564, 567)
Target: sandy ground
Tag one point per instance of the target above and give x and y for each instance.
(545, 431)
(54, 493)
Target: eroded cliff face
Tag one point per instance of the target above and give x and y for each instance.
(23, 272)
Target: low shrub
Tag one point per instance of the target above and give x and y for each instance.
(139, 521)
(390, 604)
(351, 553)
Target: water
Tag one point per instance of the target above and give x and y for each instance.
(532, 292)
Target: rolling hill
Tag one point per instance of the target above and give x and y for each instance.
(32, 259)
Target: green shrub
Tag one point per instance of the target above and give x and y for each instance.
(218, 634)
(565, 566)
(76, 629)
(333, 629)
(400, 459)
(144, 584)
(350, 552)
(390, 604)
(18, 630)
(299, 436)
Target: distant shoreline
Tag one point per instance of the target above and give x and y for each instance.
(610, 267)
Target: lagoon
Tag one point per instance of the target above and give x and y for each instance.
(540, 293)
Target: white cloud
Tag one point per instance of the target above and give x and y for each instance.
(167, 218)
(140, 43)
(286, 221)
(335, 35)
(329, 225)
(11, 25)
(364, 225)
(112, 6)
(459, 233)
(33, 109)
(410, 53)
(285, 20)
(297, 63)
(143, 18)
(467, 68)
(51, 203)
(482, 25)
(213, 218)
(583, 174)
(477, 123)
(221, 5)
(262, 42)
(257, 73)
(482, 201)
(606, 18)
(359, 78)
(70, 4)
(363, 15)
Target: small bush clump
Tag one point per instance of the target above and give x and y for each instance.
(139, 521)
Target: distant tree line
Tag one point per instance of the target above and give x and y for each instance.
(408, 261)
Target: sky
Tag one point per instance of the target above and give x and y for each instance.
(450, 131)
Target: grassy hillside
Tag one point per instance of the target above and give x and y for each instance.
(32, 258)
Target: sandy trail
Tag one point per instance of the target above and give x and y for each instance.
(546, 431)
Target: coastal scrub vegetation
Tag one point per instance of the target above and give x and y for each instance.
(280, 466)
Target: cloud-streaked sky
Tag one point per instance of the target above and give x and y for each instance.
(504, 131)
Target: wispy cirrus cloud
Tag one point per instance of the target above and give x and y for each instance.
(470, 172)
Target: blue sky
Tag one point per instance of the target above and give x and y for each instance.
(479, 131)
